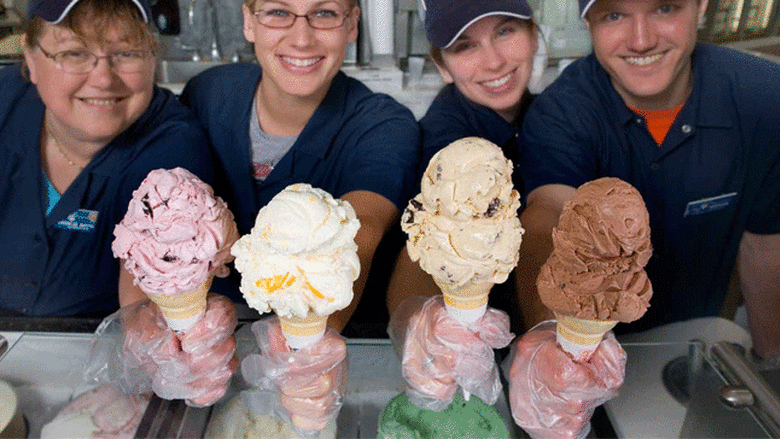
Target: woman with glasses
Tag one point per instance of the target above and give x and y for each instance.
(296, 118)
(81, 125)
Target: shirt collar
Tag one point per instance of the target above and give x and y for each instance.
(708, 87)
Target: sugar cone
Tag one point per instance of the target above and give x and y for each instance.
(581, 337)
(184, 309)
(302, 332)
(466, 303)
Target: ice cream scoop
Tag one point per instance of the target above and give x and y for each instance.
(175, 237)
(300, 260)
(463, 227)
(595, 275)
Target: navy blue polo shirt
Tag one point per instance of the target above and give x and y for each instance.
(716, 174)
(61, 264)
(355, 140)
(452, 116)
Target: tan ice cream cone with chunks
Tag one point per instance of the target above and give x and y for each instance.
(466, 303)
(581, 337)
(181, 311)
(301, 332)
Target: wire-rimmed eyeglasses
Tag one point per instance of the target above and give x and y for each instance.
(84, 61)
(319, 19)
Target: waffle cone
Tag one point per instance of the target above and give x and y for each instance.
(468, 302)
(184, 309)
(302, 332)
(581, 337)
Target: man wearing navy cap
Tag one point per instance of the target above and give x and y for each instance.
(696, 129)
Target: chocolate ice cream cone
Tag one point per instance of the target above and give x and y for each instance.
(302, 332)
(184, 309)
(581, 337)
(466, 303)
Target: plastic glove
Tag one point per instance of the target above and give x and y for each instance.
(307, 385)
(438, 353)
(196, 366)
(551, 395)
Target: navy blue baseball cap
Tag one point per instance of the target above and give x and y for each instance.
(445, 20)
(54, 11)
(584, 6)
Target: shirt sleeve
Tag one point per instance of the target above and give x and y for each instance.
(557, 143)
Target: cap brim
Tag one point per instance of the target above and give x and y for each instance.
(51, 17)
(586, 7)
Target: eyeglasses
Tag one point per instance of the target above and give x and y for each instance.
(84, 61)
(319, 19)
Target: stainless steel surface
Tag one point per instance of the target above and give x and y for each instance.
(736, 397)
(3, 346)
(708, 416)
(180, 71)
(767, 402)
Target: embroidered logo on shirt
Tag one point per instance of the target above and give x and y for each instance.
(708, 205)
(82, 220)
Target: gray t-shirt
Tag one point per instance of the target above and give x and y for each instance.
(267, 150)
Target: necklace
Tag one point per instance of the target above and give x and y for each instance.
(62, 151)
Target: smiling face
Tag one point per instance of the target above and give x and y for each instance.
(91, 107)
(491, 63)
(300, 61)
(645, 46)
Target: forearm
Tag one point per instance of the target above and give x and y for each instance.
(759, 268)
(407, 280)
(376, 215)
(538, 219)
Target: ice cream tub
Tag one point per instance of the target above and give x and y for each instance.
(11, 420)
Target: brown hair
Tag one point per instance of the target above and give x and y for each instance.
(90, 19)
(435, 52)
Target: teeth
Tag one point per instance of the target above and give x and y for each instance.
(645, 60)
(498, 82)
(101, 101)
(300, 62)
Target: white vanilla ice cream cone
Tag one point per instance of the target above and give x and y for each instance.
(466, 303)
(581, 337)
(181, 311)
(303, 331)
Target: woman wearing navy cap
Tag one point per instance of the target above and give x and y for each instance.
(81, 126)
(484, 50)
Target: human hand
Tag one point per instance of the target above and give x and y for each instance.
(553, 396)
(310, 382)
(195, 366)
(438, 353)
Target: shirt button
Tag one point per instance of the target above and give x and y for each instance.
(655, 167)
(638, 121)
(687, 128)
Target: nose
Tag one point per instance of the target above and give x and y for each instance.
(643, 36)
(492, 56)
(301, 31)
(103, 73)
